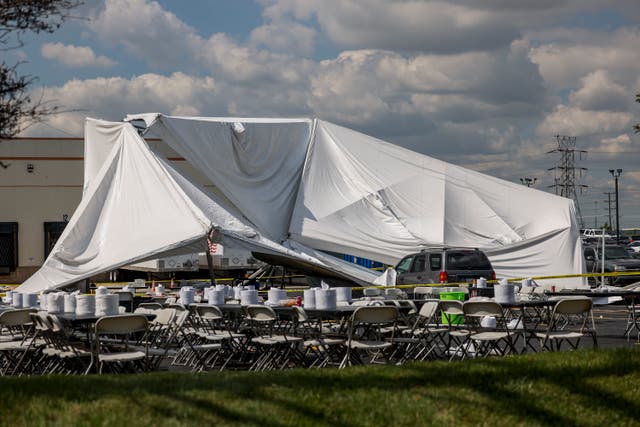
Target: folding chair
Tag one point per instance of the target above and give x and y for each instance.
(72, 355)
(458, 334)
(160, 336)
(274, 350)
(215, 329)
(488, 340)
(125, 299)
(15, 354)
(426, 337)
(422, 292)
(117, 352)
(571, 320)
(150, 306)
(364, 336)
(321, 348)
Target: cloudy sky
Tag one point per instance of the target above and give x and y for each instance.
(484, 84)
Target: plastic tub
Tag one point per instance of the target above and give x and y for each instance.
(456, 319)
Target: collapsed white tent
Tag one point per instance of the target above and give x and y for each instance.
(136, 206)
(291, 188)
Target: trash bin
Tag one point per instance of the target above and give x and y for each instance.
(456, 319)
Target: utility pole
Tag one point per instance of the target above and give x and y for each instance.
(595, 218)
(565, 184)
(528, 181)
(609, 193)
(616, 174)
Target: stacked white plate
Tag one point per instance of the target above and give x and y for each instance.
(70, 303)
(309, 300)
(187, 295)
(85, 305)
(343, 293)
(55, 302)
(102, 290)
(326, 299)
(107, 305)
(504, 293)
(249, 297)
(216, 297)
(16, 300)
(29, 300)
(275, 296)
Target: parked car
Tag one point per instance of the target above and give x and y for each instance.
(634, 247)
(624, 240)
(444, 265)
(616, 259)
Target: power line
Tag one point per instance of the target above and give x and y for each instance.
(565, 172)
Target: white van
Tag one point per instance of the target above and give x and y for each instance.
(595, 232)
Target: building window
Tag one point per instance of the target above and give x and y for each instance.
(8, 247)
(52, 232)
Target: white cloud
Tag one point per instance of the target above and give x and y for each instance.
(74, 56)
(576, 122)
(564, 62)
(408, 25)
(599, 92)
(286, 37)
(113, 98)
(618, 144)
(147, 31)
(238, 63)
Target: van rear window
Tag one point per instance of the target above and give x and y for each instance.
(467, 260)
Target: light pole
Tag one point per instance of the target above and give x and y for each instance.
(616, 174)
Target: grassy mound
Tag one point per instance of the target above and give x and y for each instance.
(589, 388)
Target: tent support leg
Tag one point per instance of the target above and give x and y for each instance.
(212, 274)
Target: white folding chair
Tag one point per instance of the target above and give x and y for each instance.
(274, 350)
(117, 352)
(488, 339)
(365, 342)
(571, 320)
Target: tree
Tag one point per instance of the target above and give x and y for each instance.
(17, 17)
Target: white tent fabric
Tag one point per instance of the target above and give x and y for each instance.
(298, 186)
(136, 206)
(365, 197)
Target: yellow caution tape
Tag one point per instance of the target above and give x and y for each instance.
(404, 286)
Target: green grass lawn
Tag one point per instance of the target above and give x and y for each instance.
(587, 388)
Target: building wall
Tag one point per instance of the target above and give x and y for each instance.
(50, 191)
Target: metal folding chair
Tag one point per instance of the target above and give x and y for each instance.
(571, 320)
(118, 353)
(273, 350)
(488, 340)
(365, 342)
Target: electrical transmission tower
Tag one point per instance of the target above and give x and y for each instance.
(565, 172)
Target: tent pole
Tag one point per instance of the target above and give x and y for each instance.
(212, 274)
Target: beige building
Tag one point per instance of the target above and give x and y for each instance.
(40, 187)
